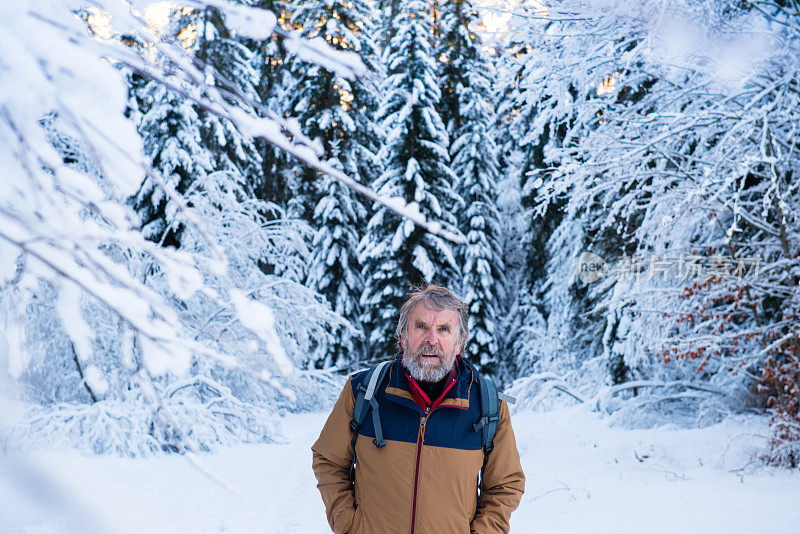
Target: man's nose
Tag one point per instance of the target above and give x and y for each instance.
(431, 337)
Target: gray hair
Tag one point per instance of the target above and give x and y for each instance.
(436, 298)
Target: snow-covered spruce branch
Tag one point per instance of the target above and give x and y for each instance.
(549, 382)
(555, 382)
(637, 384)
(119, 297)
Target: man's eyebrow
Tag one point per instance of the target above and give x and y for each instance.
(419, 322)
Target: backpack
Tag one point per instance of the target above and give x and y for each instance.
(365, 399)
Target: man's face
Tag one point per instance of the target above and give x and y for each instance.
(431, 342)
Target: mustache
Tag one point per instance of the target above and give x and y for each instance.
(428, 349)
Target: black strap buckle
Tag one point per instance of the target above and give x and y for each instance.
(482, 422)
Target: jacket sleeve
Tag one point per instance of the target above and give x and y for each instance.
(503, 481)
(332, 454)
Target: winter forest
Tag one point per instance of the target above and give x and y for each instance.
(211, 212)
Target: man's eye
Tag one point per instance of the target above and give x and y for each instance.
(444, 329)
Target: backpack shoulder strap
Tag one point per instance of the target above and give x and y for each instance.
(490, 408)
(506, 397)
(364, 400)
(490, 416)
(490, 412)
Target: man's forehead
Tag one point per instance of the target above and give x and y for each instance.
(421, 313)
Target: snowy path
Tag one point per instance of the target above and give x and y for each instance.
(582, 477)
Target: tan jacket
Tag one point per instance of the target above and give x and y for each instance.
(425, 480)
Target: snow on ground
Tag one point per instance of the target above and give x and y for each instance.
(582, 476)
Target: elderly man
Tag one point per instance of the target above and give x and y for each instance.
(421, 467)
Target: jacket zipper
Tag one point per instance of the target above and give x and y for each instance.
(420, 440)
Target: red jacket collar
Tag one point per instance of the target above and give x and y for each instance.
(422, 399)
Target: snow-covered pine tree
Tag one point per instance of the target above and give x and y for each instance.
(523, 236)
(474, 161)
(273, 79)
(172, 138)
(387, 12)
(509, 205)
(184, 143)
(228, 62)
(334, 270)
(396, 254)
(466, 109)
(339, 113)
(329, 107)
(457, 51)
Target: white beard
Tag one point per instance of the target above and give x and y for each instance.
(427, 373)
